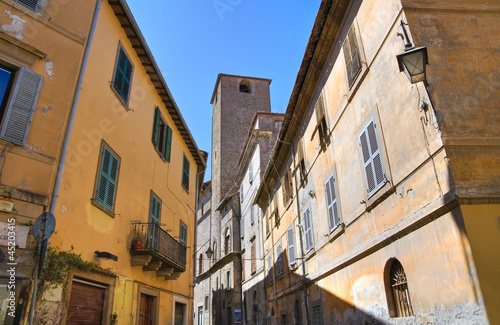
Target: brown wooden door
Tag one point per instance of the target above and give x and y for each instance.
(85, 304)
(145, 310)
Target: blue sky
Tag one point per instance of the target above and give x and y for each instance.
(193, 41)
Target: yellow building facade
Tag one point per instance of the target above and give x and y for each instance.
(42, 44)
(381, 195)
(125, 210)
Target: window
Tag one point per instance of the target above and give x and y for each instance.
(308, 229)
(162, 135)
(214, 255)
(321, 125)
(227, 241)
(200, 264)
(228, 276)
(280, 260)
(19, 89)
(30, 4)
(107, 180)
(206, 302)
(372, 158)
(245, 86)
(250, 173)
(266, 220)
(351, 56)
(301, 165)
(317, 316)
(291, 246)
(331, 199)
(185, 173)
(183, 234)
(287, 187)
(241, 192)
(251, 214)
(253, 266)
(123, 75)
(401, 304)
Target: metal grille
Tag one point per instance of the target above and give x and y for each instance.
(160, 241)
(400, 291)
(31, 4)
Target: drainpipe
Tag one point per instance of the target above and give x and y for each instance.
(64, 152)
(300, 232)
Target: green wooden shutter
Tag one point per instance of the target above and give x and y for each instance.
(108, 176)
(185, 173)
(183, 234)
(156, 127)
(123, 75)
(21, 107)
(168, 144)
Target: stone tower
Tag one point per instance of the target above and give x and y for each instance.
(235, 101)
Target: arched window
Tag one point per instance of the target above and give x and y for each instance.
(200, 264)
(227, 241)
(245, 86)
(398, 295)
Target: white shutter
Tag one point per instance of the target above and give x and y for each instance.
(291, 246)
(21, 107)
(331, 199)
(372, 159)
(307, 226)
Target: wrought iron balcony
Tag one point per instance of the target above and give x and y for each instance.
(154, 249)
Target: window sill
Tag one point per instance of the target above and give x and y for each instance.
(378, 197)
(185, 189)
(120, 98)
(102, 208)
(336, 232)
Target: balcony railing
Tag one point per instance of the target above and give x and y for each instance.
(150, 239)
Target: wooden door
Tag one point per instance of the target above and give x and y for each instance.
(145, 310)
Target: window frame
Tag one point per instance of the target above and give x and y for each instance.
(186, 165)
(95, 201)
(161, 135)
(113, 84)
(287, 188)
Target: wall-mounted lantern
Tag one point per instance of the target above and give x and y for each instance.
(209, 252)
(412, 60)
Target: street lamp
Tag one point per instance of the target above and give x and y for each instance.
(412, 60)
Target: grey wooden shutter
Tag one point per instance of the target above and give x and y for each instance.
(21, 107)
(331, 199)
(372, 158)
(307, 226)
(291, 246)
